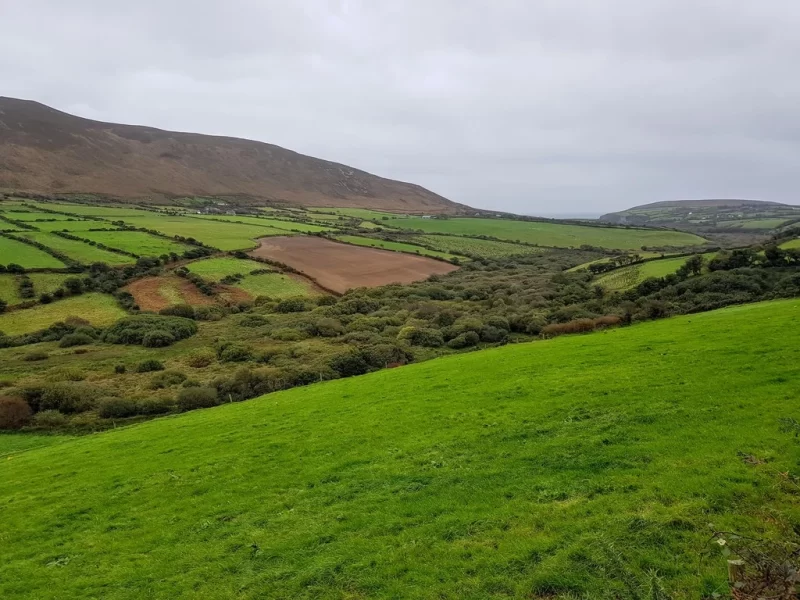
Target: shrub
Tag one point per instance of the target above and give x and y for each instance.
(14, 413)
(158, 338)
(350, 364)
(120, 369)
(327, 327)
(253, 321)
(290, 305)
(35, 356)
(287, 334)
(132, 330)
(67, 397)
(421, 336)
(178, 310)
(200, 359)
(116, 408)
(154, 406)
(197, 397)
(236, 353)
(208, 313)
(493, 334)
(166, 379)
(75, 339)
(49, 419)
(45, 298)
(150, 365)
(383, 355)
(464, 340)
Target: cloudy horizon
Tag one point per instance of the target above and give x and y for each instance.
(554, 107)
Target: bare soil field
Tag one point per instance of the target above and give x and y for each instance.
(155, 293)
(339, 267)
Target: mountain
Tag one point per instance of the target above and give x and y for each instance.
(48, 151)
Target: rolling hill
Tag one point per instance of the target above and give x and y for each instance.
(708, 213)
(561, 468)
(48, 151)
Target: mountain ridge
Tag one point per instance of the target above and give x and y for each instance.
(44, 150)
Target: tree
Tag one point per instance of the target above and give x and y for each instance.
(695, 264)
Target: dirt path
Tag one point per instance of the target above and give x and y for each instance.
(339, 267)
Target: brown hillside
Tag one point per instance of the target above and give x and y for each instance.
(48, 151)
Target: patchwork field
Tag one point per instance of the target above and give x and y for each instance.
(551, 234)
(136, 242)
(75, 225)
(504, 473)
(627, 277)
(9, 289)
(89, 210)
(475, 247)
(339, 267)
(225, 236)
(155, 293)
(77, 250)
(263, 222)
(20, 253)
(32, 216)
(214, 269)
(47, 283)
(791, 244)
(275, 285)
(396, 246)
(753, 223)
(98, 309)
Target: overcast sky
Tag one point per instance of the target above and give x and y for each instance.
(532, 106)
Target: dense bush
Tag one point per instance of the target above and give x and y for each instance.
(116, 408)
(150, 365)
(178, 310)
(75, 339)
(349, 364)
(197, 397)
(36, 355)
(290, 305)
(154, 406)
(464, 340)
(235, 353)
(50, 419)
(166, 379)
(421, 336)
(14, 412)
(67, 397)
(158, 338)
(133, 330)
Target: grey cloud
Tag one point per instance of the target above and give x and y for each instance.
(536, 107)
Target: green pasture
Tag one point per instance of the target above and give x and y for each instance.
(275, 285)
(217, 234)
(78, 250)
(566, 468)
(98, 309)
(396, 246)
(214, 269)
(137, 242)
(551, 234)
(25, 255)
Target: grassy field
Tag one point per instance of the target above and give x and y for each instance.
(89, 210)
(77, 250)
(274, 285)
(358, 213)
(74, 225)
(264, 222)
(29, 215)
(551, 234)
(225, 236)
(98, 309)
(9, 290)
(214, 269)
(136, 242)
(495, 474)
(12, 251)
(14, 442)
(487, 248)
(47, 283)
(753, 223)
(791, 244)
(396, 246)
(627, 277)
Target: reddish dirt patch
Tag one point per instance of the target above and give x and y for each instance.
(155, 293)
(339, 267)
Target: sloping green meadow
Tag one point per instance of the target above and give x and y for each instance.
(551, 234)
(494, 474)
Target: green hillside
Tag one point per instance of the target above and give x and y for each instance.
(501, 473)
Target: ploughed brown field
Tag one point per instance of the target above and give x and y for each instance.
(339, 267)
(155, 293)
